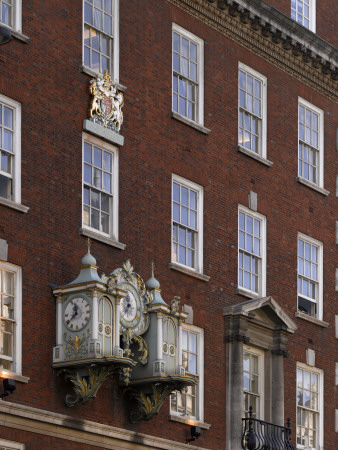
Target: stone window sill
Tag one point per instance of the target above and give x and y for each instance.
(13, 376)
(101, 238)
(312, 186)
(254, 155)
(188, 271)
(189, 122)
(304, 316)
(246, 293)
(188, 421)
(14, 205)
(19, 36)
(105, 133)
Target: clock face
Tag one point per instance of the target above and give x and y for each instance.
(77, 313)
(131, 307)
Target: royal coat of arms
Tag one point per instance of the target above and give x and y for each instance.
(107, 102)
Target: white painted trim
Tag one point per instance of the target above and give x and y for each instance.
(11, 444)
(17, 333)
(319, 245)
(320, 374)
(16, 178)
(16, 24)
(262, 275)
(200, 371)
(312, 15)
(200, 69)
(114, 219)
(115, 57)
(263, 132)
(199, 243)
(320, 112)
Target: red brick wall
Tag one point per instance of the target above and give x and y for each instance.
(45, 76)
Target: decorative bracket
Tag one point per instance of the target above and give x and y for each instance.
(149, 404)
(86, 387)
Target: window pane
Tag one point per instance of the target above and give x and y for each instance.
(8, 117)
(88, 13)
(176, 212)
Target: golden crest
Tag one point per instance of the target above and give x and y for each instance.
(107, 102)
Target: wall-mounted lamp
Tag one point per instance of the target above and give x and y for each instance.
(5, 35)
(195, 434)
(9, 387)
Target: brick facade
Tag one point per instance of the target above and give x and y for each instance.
(45, 76)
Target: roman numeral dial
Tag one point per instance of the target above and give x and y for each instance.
(77, 313)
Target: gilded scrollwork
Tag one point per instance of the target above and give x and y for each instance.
(149, 404)
(128, 338)
(86, 387)
(76, 347)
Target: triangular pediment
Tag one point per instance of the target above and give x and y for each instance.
(265, 311)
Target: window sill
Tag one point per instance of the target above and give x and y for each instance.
(104, 133)
(13, 376)
(304, 316)
(189, 122)
(188, 271)
(248, 294)
(93, 73)
(188, 421)
(254, 155)
(17, 34)
(312, 186)
(17, 206)
(100, 238)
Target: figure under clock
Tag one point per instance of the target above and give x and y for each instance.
(77, 313)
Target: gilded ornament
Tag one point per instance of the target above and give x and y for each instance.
(150, 404)
(107, 102)
(86, 387)
(77, 347)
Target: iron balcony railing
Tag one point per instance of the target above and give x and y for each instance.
(261, 435)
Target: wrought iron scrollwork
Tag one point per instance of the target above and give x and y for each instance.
(261, 435)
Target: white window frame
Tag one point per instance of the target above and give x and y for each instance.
(114, 219)
(115, 56)
(16, 177)
(262, 269)
(16, 22)
(17, 333)
(320, 438)
(260, 354)
(199, 233)
(320, 150)
(200, 375)
(262, 144)
(319, 245)
(312, 14)
(200, 74)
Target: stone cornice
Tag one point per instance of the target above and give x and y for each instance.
(42, 422)
(270, 34)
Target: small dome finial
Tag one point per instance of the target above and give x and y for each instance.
(152, 283)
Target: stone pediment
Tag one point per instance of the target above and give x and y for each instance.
(264, 311)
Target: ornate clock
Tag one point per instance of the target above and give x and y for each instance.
(132, 308)
(76, 313)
